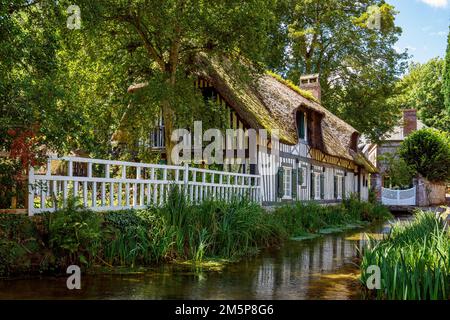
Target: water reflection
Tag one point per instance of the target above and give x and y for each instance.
(323, 268)
(302, 270)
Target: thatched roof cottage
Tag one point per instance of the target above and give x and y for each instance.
(318, 155)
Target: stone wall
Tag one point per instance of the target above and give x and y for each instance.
(430, 193)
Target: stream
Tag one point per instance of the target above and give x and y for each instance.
(320, 268)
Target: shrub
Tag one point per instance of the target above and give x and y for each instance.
(428, 152)
(74, 234)
(399, 173)
(365, 211)
(20, 244)
(10, 184)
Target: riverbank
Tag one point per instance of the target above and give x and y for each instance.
(181, 232)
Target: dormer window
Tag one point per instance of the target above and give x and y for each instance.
(301, 125)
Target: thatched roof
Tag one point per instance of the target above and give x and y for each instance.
(266, 101)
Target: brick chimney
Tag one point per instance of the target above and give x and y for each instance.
(311, 83)
(409, 121)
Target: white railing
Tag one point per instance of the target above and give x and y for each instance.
(103, 185)
(393, 197)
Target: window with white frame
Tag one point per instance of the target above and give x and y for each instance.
(304, 176)
(287, 183)
(339, 187)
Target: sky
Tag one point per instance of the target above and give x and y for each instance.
(425, 25)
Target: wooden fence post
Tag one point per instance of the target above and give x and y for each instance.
(186, 178)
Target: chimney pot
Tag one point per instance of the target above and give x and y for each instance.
(311, 83)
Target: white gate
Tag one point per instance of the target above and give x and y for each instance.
(392, 197)
(115, 185)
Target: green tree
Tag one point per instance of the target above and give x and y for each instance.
(446, 84)
(358, 64)
(428, 152)
(28, 44)
(172, 31)
(29, 41)
(399, 173)
(422, 89)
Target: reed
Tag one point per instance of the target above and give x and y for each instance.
(136, 237)
(311, 217)
(218, 228)
(413, 260)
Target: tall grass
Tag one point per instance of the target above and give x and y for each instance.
(180, 230)
(310, 217)
(136, 238)
(218, 228)
(414, 260)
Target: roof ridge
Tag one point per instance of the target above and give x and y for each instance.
(304, 93)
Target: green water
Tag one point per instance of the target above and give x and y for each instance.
(321, 268)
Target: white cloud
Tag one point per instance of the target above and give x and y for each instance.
(439, 34)
(436, 3)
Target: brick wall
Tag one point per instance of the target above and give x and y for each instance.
(409, 121)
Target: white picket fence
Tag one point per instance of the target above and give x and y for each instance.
(393, 197)
(103, 185)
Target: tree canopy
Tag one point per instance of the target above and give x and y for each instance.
(427, 151)
(72, 84)
(28, 46)
(166, 37)
(446, 84)
(422, 89)
(358, 64)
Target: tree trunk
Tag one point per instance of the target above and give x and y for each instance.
(169, 115)
(169, 118)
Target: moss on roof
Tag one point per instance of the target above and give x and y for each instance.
(306, 94)
(266, 100)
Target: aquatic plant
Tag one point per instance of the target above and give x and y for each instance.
(135, 237)
(414, 260)
(179, 230)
